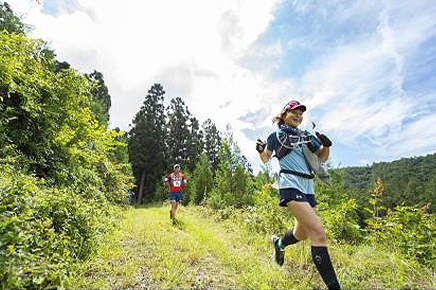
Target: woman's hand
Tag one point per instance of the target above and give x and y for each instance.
(260, 146)
(325, 141)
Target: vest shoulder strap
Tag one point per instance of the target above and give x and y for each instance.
(304, 175)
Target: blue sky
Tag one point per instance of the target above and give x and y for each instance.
(366, 70)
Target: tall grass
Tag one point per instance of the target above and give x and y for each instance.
(202, 251)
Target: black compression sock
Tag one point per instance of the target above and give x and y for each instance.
(289, 239)
(324, 265)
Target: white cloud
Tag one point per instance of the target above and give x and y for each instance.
(208, 52)
(135, 43)
(192, 47)
(360, 87)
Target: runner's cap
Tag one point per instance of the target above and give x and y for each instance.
(292, 105)
(176, 165)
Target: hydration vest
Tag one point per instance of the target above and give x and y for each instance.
(316, 167)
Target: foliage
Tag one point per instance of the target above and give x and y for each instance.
(60, 187)
(161, 191)
(408, 229)
(338, 211)
(146, 144)
(120, 154)
(202, 180)
(232, 184)
(265, 176)
(341, 221)
(101, 100)
(43, 230)
(212, 142)
(210, 253)
(266, 216)
(187, 196)
(408, 181)
(9, 21)
(39, 114)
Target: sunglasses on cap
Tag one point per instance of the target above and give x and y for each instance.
(292, 105)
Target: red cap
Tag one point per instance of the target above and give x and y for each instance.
(292, 105)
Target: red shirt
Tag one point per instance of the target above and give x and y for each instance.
(175, 181)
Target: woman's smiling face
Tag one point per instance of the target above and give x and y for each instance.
(294, 117)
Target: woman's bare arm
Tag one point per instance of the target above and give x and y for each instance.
(323, 154)
(265, 156)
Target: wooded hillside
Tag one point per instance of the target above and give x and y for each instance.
(408, 181)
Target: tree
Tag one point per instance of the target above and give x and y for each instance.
(232, 183)
(146, 144)
(51, 62)
(202, 180)
(405, 181)
(212, 142)
(195, 143)
(101, 100)
(178, 132)
(9, 21)
(39, 113)
(59, 187)
(430, 193)
(120, 154)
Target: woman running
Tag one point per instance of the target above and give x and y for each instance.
(296, 183)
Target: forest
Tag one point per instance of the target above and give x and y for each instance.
(408, 181)
(65, 175)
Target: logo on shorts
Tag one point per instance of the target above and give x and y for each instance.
(318, 259)
(298, 196)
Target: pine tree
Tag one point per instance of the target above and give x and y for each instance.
(232, 184)
(178, 132)
(202, 180)
(146, 144)
(212, 142)
(195, 143)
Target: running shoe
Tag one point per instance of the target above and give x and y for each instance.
(279, 253)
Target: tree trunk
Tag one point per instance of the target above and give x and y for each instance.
(141, 187)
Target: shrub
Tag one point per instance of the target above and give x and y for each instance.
(202, 180)
(266, 215)
(44, 230)
(408, 229)
(338, 211)
(341, 221)
(59, 188)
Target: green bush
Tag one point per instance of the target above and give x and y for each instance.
(202, 180)
(341, 221)
(266, 216)
(59, 188)
(161, 191)
(338, 211)
(188, 193)
(233, 185)
(407, 229)
(44, 230)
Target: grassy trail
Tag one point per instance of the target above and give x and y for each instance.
(148, 252)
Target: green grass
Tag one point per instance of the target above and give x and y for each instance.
(148, 252)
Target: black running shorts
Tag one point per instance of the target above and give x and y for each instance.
(293, 194)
